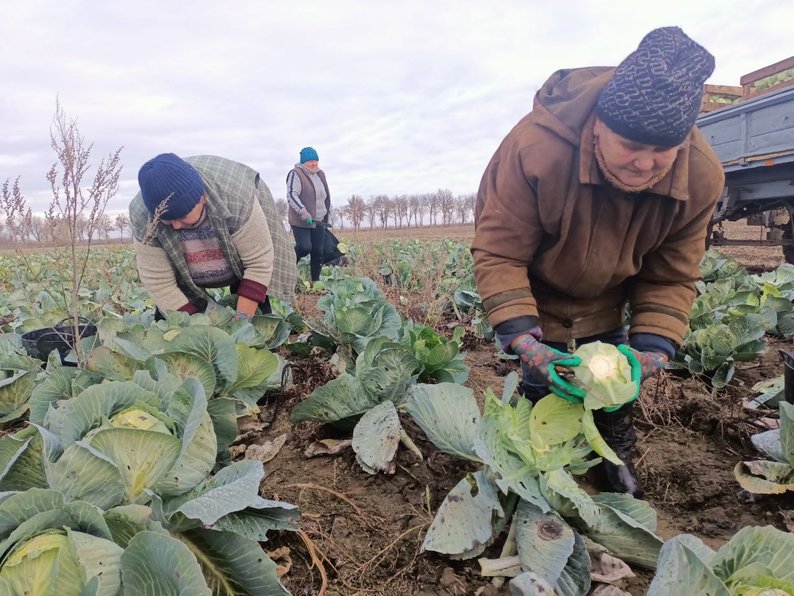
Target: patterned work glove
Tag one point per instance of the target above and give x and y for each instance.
(542, 362)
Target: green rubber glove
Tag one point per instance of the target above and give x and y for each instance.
(643, 366)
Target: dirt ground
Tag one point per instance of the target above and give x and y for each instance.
(362, 533)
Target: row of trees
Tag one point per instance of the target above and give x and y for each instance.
(402, 210)
(379, 211)
(22, 225)
(438, 208)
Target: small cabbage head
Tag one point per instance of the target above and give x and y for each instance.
(139, 419)
(605, 374)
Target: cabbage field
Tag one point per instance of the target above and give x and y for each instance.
(368, 439)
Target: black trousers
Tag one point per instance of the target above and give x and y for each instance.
(310, 241)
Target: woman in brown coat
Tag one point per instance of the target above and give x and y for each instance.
(599, 199)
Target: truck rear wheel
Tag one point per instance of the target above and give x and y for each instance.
(788, 250)
(788, 234)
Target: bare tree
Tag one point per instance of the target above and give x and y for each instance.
(433, 204)
(417, 208)
(393, 211)
(371, 212)
(401, 209)
(464, 206)
(122, 223)
(446, 203)
(38, 227)
(382, 207)
(355, 210)
(13, 204)
(471, 201)
(60, 231)
(413, 205)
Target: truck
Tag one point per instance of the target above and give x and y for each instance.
(751, 129)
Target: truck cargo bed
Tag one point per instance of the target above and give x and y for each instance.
(755, 133)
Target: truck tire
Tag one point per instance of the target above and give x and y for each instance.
(788, 250)
(788, 233)
(709, 232)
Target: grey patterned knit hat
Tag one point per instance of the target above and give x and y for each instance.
(654, 95)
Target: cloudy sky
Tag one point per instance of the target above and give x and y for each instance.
(398, 97)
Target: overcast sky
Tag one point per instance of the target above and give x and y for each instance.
(398, 97)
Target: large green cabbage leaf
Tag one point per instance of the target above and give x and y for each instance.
(448, 415)
(468, 520)
(771, 477)
(376, 438)
(757, 560)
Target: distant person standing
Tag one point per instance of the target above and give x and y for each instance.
(309, 202)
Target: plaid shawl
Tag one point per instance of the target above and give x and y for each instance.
(231, 188)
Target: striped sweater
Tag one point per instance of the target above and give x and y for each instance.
(208, 267)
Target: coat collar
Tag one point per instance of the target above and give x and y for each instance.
(675, 184)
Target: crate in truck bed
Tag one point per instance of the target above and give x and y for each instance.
(770, 78)
(716, 97)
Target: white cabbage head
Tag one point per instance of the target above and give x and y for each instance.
(605, 374)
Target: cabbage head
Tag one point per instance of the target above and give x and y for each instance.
(53, 547)
(605, 374)
(119, 439)
(50, 563)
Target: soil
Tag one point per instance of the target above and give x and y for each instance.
(361, 534)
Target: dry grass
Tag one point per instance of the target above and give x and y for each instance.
(658, 405)
(422, 299)
(456, 232)
(329, 550)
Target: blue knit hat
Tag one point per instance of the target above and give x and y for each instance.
(169, 175)
(654, 95)
(308, 154)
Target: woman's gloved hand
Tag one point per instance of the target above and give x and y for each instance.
(643, 366)
(543, 361)
(306, 216)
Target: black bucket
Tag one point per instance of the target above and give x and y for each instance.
(40, 342)
(788, 375)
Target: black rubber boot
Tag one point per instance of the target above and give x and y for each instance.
(617, 428)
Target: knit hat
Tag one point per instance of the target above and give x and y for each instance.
(308, 154)
(654, 95)
(168, 174)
